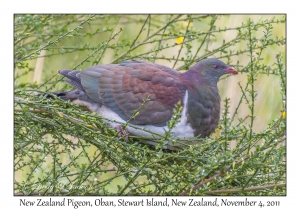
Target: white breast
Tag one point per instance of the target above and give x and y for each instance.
(182, 130)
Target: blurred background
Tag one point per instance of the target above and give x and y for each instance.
(45, 44)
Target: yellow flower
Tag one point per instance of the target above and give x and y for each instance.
(179, 40)
(284, 114)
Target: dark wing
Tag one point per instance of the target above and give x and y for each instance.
(73, 78)
(123, 88)
(135, 64)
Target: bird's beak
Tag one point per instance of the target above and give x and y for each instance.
(231, 70)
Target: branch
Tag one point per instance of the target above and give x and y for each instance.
(57, 40)
(236, 190)
(38, 193)
(213, 177)
(219, 174)
(145, 40)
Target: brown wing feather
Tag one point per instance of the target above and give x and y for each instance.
(124, 87)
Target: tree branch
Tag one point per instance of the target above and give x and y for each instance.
(237, 190)
(213, 177)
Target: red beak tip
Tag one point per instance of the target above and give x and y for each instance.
(232, 70)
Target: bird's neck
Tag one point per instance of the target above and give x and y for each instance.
(196, 80)
(203, 103)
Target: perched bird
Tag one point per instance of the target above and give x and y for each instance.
(115, 91)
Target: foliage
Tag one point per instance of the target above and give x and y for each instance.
(61, 148)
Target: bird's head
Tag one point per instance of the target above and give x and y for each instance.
(211, 69)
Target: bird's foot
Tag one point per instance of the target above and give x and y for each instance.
(122, 132)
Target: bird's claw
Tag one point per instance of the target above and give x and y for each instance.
(122, 132)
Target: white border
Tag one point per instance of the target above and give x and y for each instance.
(154, 6)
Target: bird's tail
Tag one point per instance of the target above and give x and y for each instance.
(73, 78)
(71, 95)
(68, 95)
(78, 96)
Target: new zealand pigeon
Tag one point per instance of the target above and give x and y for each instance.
(115, 91)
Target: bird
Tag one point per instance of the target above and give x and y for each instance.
(116, 91)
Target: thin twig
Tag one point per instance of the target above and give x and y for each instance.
(145, 40)
(239, 190)
(214, 176)
(57, 40)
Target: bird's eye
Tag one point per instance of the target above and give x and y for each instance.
(215, 66)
